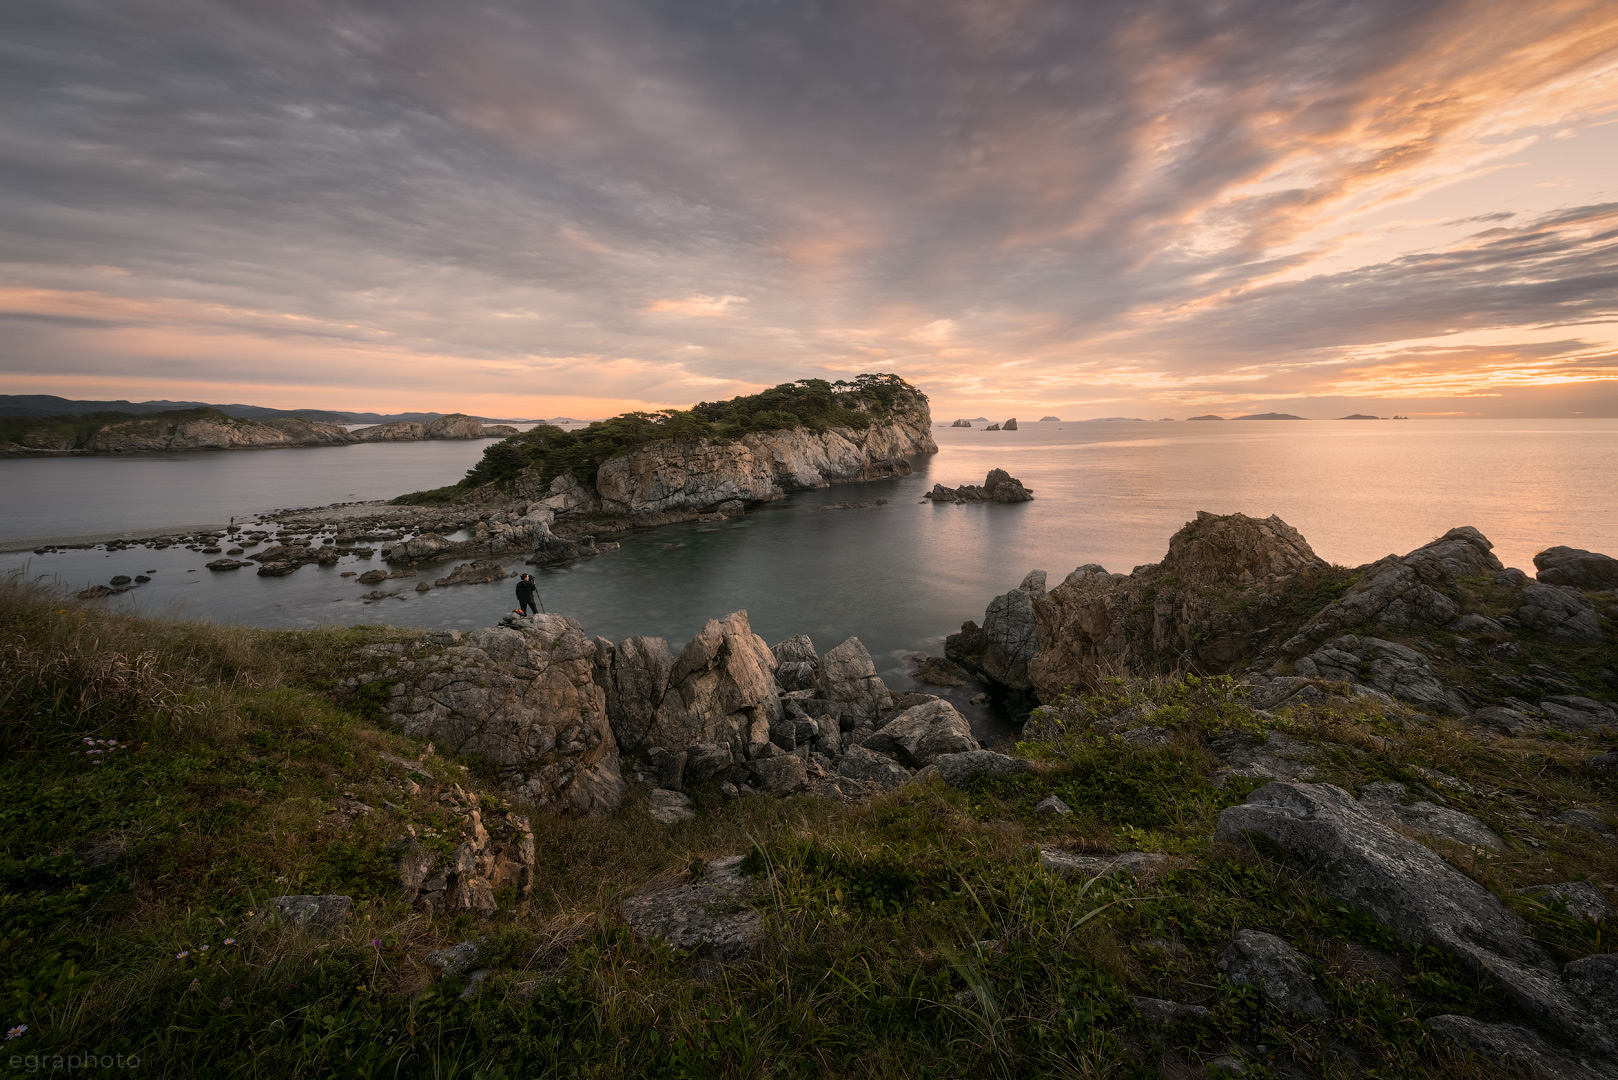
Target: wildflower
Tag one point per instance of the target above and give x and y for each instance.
(202, 948)
(376, 943)
(182, 954)
(16, 1031)
(230, 941)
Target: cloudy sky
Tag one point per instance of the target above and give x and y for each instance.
(1114, 207)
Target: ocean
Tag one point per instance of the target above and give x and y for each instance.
(900, 575)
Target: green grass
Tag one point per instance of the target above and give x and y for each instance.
(915, 936)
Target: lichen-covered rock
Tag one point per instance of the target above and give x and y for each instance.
(1277, 969)
(524, 696)
(1321, 829)
(923, 733)
(1580, 899)
(959, 770)
(849, 684)
(1396, 670)
(1222, 580)
(1384, 801)
(721, 691)
(861, 763)
(1577, 568)
(705, 917)
(1560, 613)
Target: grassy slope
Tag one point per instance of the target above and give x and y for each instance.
(108, 872)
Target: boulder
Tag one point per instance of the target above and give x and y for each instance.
(1572, 712)
(1321, 829)
(1135, 864)
(318, 914)
(496, 851)
(850, 686)
(1576, 568)
(1276, 757)
(1263, 960)
(707, 761)
(219, 564)
(1580, 899)
(940, 671)
(782, 775)
(921, 734)
(707, 917)
(1509, 1042)
(524, 696)
(1506, 720)
(1384, 801)
(669, 807)
(860, 763)
(721, 691)
(1161, 1012)
(1050, 804)
(959, 770)
(1560, 613)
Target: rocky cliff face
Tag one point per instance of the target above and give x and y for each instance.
(676, 478)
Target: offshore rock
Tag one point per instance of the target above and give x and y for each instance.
(473, 573)
(1222, 580)
(524, 696)
(1576, 568)
(999, 486)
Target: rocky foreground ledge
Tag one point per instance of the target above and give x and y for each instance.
(1440, 648)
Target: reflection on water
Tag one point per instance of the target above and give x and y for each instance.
(900, 576)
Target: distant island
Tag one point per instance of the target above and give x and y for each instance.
(1166, 420)
(50, 405)
(1050, 419)
(1358, 416)
(1209, 416)
(1115, 419)
(1271, 416)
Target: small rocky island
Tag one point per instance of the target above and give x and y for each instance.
(999, 486)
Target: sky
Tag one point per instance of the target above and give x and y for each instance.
(1115, 207)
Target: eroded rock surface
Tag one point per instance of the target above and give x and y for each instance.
(1277, 969)
(1577, 568)
(707, 917)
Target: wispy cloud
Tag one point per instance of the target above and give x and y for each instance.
(645, 203)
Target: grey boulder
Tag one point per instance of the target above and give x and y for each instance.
(781, 775)
(1394, 669)
(850, 686)
(860, 763)
(1383, 801)
(921, 734)
(1277, 969)
(959, 770)
(1560, 613)
(1133, 864)
(318, 914)
(669, 807)
(1576, 568)
(1580, 899)
(706, 917)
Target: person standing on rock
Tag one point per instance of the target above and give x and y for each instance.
(527, 594)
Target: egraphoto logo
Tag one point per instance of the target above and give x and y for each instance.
(41, 1063)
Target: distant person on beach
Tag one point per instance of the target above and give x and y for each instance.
(527, 593)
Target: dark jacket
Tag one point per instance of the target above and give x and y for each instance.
(526, 590)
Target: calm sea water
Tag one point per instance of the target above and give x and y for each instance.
(900, 576)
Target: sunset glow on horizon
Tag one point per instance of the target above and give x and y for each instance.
(1024, 208)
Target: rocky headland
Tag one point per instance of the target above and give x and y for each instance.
(210, 429)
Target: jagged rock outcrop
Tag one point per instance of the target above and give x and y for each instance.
(524, 696)
(962, 423)
(848, 682)
(1395, 670)
(721, 691)
(1323, 830)
(1560, 613)
(1001, 650)
(1577, 568)
(999, 486)
(635, 675)
(1408, 590)
(797, 665)
(1009, 425)
(1222, 580)
(496, 851)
